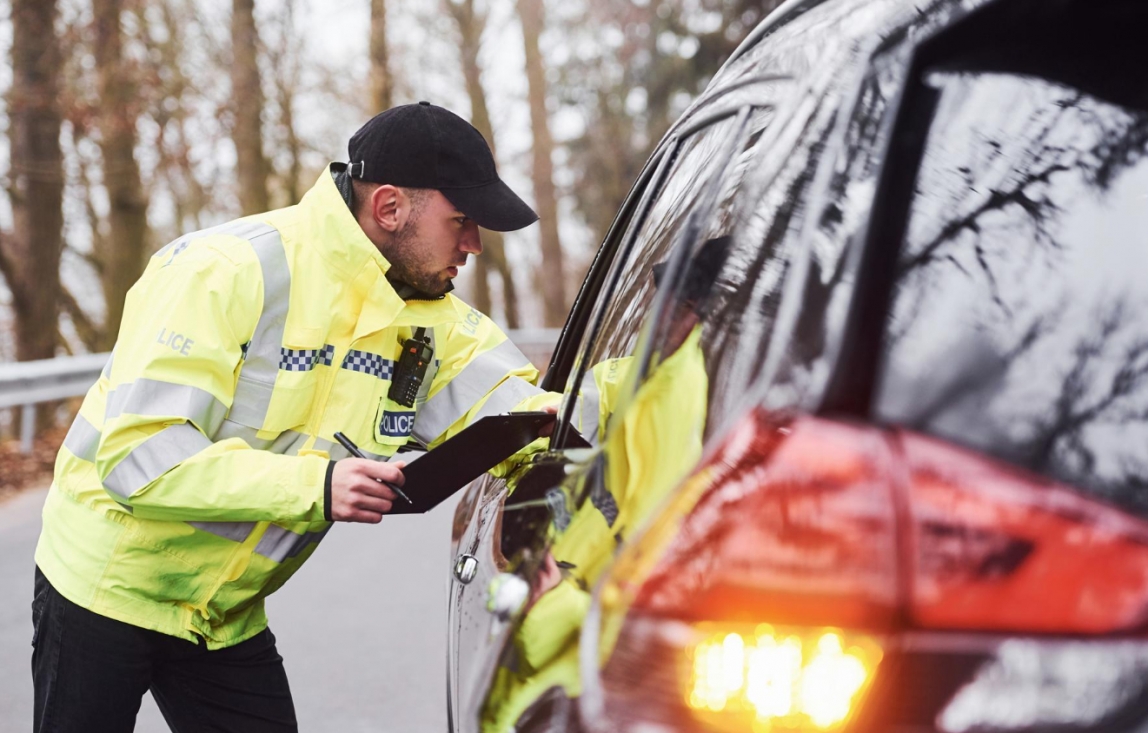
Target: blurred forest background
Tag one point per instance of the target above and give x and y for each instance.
(124, 123)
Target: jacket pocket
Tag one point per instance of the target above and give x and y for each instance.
(394, 423)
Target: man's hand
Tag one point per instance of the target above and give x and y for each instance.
(357, 495)
(548, 429)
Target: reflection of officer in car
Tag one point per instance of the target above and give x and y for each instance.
(658, 439)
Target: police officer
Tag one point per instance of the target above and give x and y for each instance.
(201, 471)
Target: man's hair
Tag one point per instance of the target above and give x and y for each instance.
(363, 190)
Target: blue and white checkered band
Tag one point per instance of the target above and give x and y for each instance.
(245, 347)
(368, 363)
(304, 360)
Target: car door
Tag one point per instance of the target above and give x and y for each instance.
(640, 347)
(472, 632)
(477, 625)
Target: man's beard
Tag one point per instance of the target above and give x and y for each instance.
(409, 262)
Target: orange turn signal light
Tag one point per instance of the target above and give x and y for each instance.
(769, 678)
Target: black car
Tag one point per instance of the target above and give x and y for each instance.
(856, 421)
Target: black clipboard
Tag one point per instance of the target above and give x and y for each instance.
(437, 474)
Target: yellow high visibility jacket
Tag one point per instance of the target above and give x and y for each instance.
(191, 484)
(648, 452)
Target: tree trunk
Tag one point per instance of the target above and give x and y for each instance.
(470, 26)
(495, 253)
(187, 190)
(552, 281)
(381, 85)
(126, 246)
(30, 258)
(482, 299)
(284, 60)
(247, 106)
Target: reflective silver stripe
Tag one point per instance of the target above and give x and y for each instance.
(338, 452)
(154, 457)
(236, 531)
(507, 396)
(471, 385)
(257, 377)
(280, 544)
(286, 443)
(154, 398)
(236, 228)
(591, 405)
(82, 439)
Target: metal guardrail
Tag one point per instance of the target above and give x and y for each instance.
(25, 384)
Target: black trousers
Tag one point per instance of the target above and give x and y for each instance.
(90, 674)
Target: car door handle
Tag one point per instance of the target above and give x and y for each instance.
(465, 568)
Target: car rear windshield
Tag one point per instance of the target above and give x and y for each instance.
(1019, 319)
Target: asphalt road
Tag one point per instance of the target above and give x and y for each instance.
(361, 626)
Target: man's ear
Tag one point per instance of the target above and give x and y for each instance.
(390, 208)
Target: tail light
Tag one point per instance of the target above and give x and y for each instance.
(818, 576)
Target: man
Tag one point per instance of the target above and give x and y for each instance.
(200, 472)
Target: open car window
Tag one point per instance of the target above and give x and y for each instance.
(694, 205)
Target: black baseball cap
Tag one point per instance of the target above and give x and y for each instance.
(425, 146)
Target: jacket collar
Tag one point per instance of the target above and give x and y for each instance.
(334, 232)
(339, 243)
(341, 183)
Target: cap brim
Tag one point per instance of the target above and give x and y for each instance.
(493, 206)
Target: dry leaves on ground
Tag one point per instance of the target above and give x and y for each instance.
(19, 471)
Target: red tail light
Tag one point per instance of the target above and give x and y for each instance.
(994, 549)
(878, 540)
(797, 526)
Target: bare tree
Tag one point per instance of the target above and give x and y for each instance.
(172, 116)
(471, 23)
(123, 252)
(381, 84)
(551, 276)
(247, 106)
(630, 90)
(285, 60)
(30, 256)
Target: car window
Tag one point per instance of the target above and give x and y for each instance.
(804, 343)
(688, 183)
(1019, 322)
(698, 158)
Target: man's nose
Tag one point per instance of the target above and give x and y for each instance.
(471, 241)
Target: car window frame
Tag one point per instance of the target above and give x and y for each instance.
(570, 338)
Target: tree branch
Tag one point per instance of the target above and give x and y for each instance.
(91, 334)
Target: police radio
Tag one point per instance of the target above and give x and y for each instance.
(412, 367)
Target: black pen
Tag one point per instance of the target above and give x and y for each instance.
(354, 450)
